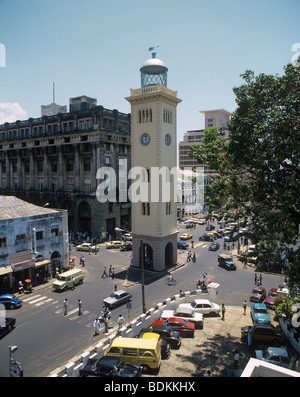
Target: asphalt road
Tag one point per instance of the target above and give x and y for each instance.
(47, 339)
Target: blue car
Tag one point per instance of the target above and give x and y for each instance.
(259, 313)
(10, 301)
(182, 245)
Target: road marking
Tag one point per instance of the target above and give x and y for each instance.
(37, 300)
(30, 298)
(45, 301)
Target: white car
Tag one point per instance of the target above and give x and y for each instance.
(203, 306)
(186, 314)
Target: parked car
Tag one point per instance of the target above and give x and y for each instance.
(10, 301)
(258, 294)
(117, 298)
(128, 236)
(186, 314)
(173, 338)
(262, 333)
(209, 227)
(165, 348)
(226, 261)
(274, 355)
(214, 246)
(126, 247)
(7, 325)
(259, 313)
(270, 298)
(182, 245)
(110, 367)
(186, 236)
(86, 247)
(203, 306)
(185, 328)
(114, 244)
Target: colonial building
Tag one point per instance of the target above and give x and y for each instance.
(54, 160)
(33, 242)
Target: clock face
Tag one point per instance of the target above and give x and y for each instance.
(168, 139)
(145, 139)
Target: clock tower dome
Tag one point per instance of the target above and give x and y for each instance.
(153, 154)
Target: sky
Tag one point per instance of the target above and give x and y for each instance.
(96, 48)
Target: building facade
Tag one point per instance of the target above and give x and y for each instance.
(54, 160)
(33, 242)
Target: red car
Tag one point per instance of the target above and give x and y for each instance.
(185, 328)
(270, 299)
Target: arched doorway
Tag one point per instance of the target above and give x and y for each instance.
(169, 255)
(84, 217)
(56, 263)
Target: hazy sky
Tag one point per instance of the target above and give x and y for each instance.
(96, 48)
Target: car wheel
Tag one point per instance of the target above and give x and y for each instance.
(11, 306)
(145, 369)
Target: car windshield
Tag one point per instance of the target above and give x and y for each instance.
(193, 304)
(256, 291)
(113, 295)
(265, 353)
(272, 294)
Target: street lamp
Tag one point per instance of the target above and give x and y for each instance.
(143, 275)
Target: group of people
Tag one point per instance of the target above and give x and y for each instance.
(105, 317)
(111, 272)
(258, 280)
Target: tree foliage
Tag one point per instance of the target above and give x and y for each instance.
(258, 170)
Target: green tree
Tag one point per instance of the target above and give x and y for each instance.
(258, 170)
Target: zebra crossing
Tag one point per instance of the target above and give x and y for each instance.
(87, 318)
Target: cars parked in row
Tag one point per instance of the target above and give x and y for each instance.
(258, 294)
(113, 367)
(185, 328)
(259, 313)
(262, 333)
(186, 314)
(10, 301)
(165, 348)
(270, 298)
(274, 355)
(203, 306)
(172, 337)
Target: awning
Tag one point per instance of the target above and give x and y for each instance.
(42, 263)
(5, 270)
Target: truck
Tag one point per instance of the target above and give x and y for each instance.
(226, 261)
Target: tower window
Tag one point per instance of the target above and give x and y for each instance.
(145, 116)
(145, 208)
(168, 208)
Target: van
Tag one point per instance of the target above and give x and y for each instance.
(68, 279)
(143, 352)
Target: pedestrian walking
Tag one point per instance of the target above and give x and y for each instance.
(105, 325)
(121, 321)
(109, 271)
(223, 310)
(79, 307)
(113, 273)
(245, 306)
(65, 307)
(208, 374)
(236, 358)
(260, 279)
(194, 257)
(97, 327)
(83, 261)
(104, 274)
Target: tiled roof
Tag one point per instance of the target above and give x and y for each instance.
(11, 207)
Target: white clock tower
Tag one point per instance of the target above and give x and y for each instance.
(153, 149)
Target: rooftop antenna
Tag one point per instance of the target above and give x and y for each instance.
(53, 92)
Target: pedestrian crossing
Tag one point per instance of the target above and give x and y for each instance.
(86, 318)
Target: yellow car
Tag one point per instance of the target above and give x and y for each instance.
(86, 247)
(114, 244)
(186, 236)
